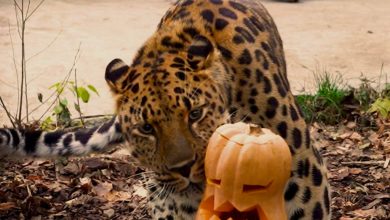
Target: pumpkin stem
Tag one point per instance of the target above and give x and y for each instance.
(255, 130)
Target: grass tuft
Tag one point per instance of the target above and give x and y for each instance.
(326, 104)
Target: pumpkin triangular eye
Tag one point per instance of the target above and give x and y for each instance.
(246, 188)
(216, 182)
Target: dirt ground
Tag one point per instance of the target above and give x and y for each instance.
(109, 186)
(346, 36)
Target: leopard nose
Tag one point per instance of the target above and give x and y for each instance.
(184, 170)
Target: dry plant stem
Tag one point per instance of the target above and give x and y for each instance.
(363, 162)
(94, 116)
(24, 72)
(66, 79)
(11, 119)
(15, 66)
(20, 104)
(22, 13)
(78, 99)
(47, 46)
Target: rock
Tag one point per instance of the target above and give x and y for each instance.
(109, 213)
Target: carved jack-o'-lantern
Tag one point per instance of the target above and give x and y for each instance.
(247, 169)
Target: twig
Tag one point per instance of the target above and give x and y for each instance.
(33, 11)
(17, 5)
(94, 116)
(78, 99)
(8, 113)
(14, 60)
(8, 84)
(22, 14)
(363, 162)
(28, 6)
(63, 82)
(47, 46)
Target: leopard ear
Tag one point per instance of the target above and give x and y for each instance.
(116, 72)
(200, 52)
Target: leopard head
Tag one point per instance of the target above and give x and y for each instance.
(169, 102)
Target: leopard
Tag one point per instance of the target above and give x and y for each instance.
(209, 63)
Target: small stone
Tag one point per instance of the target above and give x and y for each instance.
(109, 213)
(351, 125)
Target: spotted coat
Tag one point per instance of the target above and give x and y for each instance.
(210, 62)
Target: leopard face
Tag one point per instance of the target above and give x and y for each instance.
(168, 106)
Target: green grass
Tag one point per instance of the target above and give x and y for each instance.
(325, 105)
(334, 101)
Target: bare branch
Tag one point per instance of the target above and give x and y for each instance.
(17, 20)
(78, 99)
(95, 116)
(33, 11)
(28, 6)
(8, 84)
(47, 46)
(10, 117)
(66, 79)
(14, 60)
(17, 5)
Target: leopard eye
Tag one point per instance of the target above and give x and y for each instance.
(195, 114)
(146, 129)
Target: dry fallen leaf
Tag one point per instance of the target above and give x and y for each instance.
(355, 171)
(102, 189)
(351, 125)
(7, 205)
(342, 173)
(356, 136)
(364, 213)
(95, 163)
(71, 169)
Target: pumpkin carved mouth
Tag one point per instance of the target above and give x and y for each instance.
(237, 215)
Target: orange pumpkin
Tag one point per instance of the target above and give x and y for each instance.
(247, 168)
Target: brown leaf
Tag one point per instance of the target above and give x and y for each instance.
(7, 206)
(86, 184)
(345, 135)
(377, 175)
(356, 136)
(364, 213)
(351, 125)
(342, 173)
(109, 213)
(102, 189)
(372, 204)
(355, 171)
(71, 169)
(95, 163)
(364, 146)
(34, 178)
(382, 196)
(118, 196)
